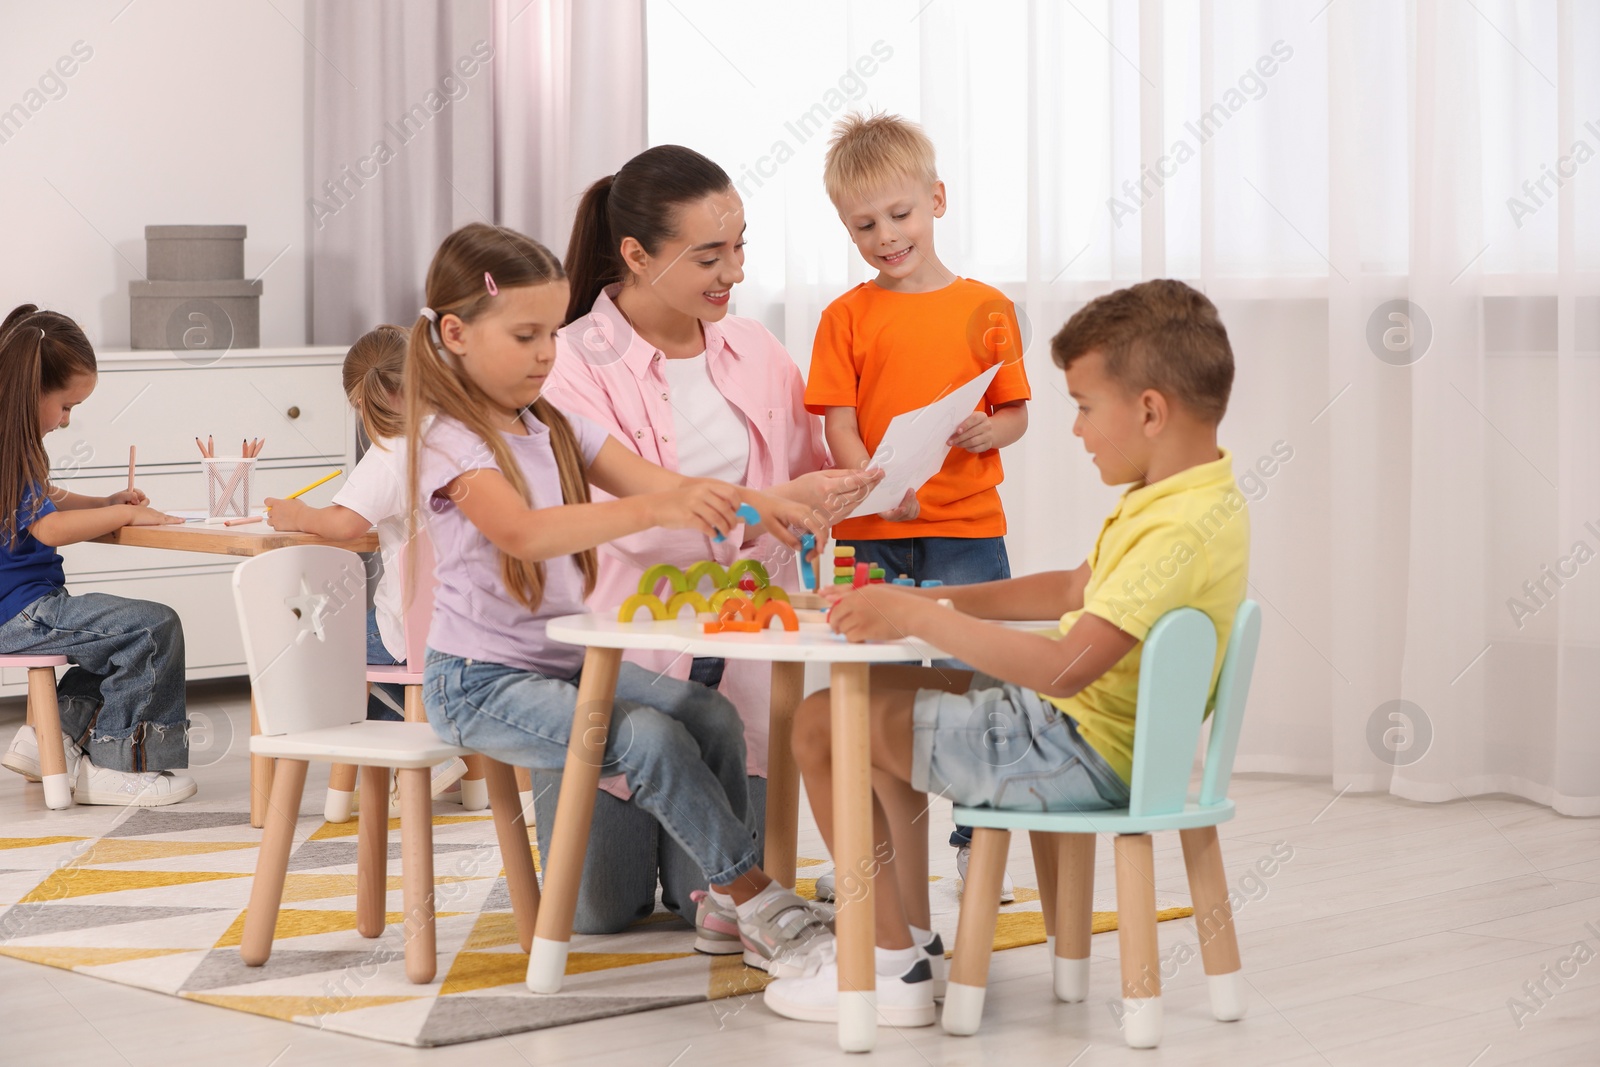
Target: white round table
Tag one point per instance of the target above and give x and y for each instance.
(605, 639)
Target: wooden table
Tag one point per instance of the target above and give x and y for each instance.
(606, 639)
(249, 540)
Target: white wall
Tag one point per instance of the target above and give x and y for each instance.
(184, 112)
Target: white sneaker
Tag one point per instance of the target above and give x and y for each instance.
(135, 789)
(825, 886)
(904, 1000)
(937, 964)
(23, 755)
(1008, 891)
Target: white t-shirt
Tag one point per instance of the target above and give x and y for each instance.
(376, 490)
(713, 441)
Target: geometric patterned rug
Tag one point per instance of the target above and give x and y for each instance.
(158, 902)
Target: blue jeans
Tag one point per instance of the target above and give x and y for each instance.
(380, 655)
(628, 854)
(123, 700)
(679, 745)
(951, 560)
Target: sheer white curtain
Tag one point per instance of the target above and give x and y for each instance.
(1396, 210)
(426, 116)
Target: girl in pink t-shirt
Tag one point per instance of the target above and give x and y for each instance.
(504, 478)
(650, 353)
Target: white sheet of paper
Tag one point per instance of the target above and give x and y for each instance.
(913, 447)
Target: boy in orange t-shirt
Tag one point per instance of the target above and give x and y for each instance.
(900, 342)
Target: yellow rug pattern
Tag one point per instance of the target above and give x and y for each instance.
(157, 901)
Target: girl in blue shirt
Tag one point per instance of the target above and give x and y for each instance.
(122, 702)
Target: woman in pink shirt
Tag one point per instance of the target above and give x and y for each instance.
(651, 354)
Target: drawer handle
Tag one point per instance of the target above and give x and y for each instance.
(293, 412)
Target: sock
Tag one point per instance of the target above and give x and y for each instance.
(747, 910)
(721, 899)
(893, 962)
(920, 937)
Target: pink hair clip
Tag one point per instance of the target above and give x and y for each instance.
(488, 283)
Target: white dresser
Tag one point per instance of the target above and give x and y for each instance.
(159, 401)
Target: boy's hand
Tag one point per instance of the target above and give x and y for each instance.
(147, 516)
(835, 492)
(286, 515)
(128, 496)
(874, 613)
(908, 509)
(975, 434)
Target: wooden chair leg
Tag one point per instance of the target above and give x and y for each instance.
(372, 851)
(1074, 915)
(260, 774)
(272, 864)
(341, 793)
(1044, 845)
(415, 712)
(511, 830)
(1213, 917)
(525, 792)
(980, 910)
(475, 786)
(783, 774)
(569, 837)
(1136, 937)
(416, 871)
(45, 714)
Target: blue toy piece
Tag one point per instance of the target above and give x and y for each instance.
(808, 576)
(931, 583)
(905, 581)
(746, 514)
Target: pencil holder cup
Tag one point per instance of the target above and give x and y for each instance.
(227, 487)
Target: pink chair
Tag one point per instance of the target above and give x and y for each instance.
(44, 715)
(419, 614)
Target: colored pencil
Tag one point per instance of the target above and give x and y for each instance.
(313, 485)
(130, 467)
(243, 521)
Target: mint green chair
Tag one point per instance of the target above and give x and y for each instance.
(1174, 679)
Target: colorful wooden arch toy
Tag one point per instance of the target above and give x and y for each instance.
(777, 609)
(751, 567)
(708, 568)
(737, 607)
(692, 598)
(652, 578)
(770, 592)
(648, 601)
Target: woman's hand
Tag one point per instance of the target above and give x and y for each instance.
(286, 515)
(128, 496)
(703, 504)
(830, 494)
(148, 516)
(908, 509)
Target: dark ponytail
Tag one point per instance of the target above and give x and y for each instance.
(40, 352)
(638, 201)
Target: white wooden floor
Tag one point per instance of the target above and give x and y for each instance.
(1395, 933)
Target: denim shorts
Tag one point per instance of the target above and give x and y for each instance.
(999, 745)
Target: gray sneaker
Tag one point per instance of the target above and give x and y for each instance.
(783, 933)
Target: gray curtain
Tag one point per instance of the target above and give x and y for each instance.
(428, 115)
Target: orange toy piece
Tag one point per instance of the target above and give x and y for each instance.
(777, 609)
(730, 626)
(737, 607)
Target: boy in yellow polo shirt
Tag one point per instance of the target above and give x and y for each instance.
(1046, 722)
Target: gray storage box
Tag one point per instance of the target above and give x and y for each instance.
(193, 253)
(192, 315)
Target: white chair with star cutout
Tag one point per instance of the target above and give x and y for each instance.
(305, 644)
